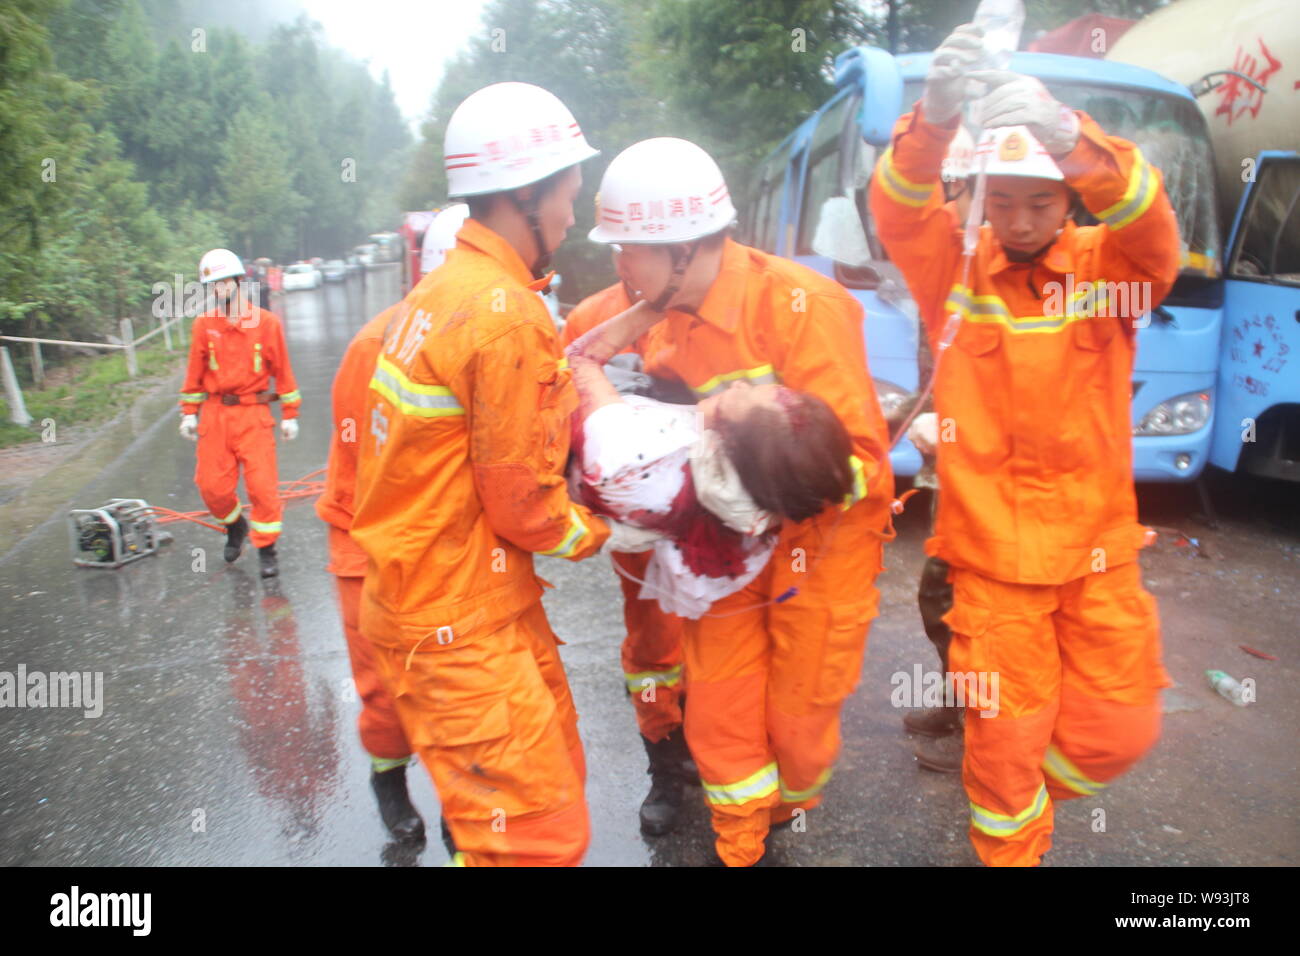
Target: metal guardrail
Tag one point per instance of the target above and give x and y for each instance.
(13, 394)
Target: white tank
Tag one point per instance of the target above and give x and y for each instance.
(1260, 38)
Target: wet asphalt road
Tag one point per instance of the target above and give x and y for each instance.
(228, 734)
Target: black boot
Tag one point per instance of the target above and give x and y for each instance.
(266, 558)
(401, 818)
(933, 721)
(235, 535)
(660, 807)
(941, 754)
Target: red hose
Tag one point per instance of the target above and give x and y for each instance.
(305, 487)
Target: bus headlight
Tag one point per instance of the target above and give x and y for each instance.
(893, 400)
(1176, 416)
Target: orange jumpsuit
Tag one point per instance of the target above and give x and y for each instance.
(767, 680)
(238, 358)
(652, 649)
(1038, 517)
(380, 728)
(460, 479)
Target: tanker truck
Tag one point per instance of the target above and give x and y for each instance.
(1242, 63)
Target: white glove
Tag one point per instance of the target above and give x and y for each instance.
(924, 433)
(945, 84)
(289, 429)
(626, 537)
(190, 427)
(1018, 100)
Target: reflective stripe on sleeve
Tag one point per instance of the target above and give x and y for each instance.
(668, 678)
(762, 375)
(859, 482)
(411, 398)
(1137, 198)
(569, 546)
(899, 188)
(193, 397)
(290, 397)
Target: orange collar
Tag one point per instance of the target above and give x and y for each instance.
(724, 303)
(1059, 257)
(237, 322)
(474, 235)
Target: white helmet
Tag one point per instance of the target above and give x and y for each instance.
(440, 237)
(508, 135)
(1014, 151)
(661, 190)
(219, 264)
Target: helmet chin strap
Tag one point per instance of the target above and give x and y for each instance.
(542, 264)
(1033, 258)
(681, 262)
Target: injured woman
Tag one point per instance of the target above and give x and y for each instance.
(710, 483)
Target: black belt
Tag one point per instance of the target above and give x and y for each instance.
(256, 398)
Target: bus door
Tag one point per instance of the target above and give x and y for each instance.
(1258, 424)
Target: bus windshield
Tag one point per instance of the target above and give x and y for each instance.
(1171, 134)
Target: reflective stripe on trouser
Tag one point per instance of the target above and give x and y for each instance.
(1076, 702)
(652, 655)
(380, 730)
(493, 721)
(231, 437)
(767, 684)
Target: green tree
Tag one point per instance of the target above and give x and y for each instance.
(259, 205)
(46, 142)
(743, 73)
(583, 51)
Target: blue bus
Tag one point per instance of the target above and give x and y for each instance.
(827, 162)
(1258, 416)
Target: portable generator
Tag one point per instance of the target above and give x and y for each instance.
(115, 534)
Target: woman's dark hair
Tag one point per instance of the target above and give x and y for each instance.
(792, 459)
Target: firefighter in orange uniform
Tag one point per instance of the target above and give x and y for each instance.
(651, 652)
(460, 480)
(1037, 517)
(236, 349)
(380, 729)
(768, 667)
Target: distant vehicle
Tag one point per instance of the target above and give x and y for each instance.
(334, 270)
(415, 226)
(366, 254)
(389, 246)
(301, 275)
(352, 263)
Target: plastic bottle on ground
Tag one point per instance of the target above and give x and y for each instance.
(1228, 687)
